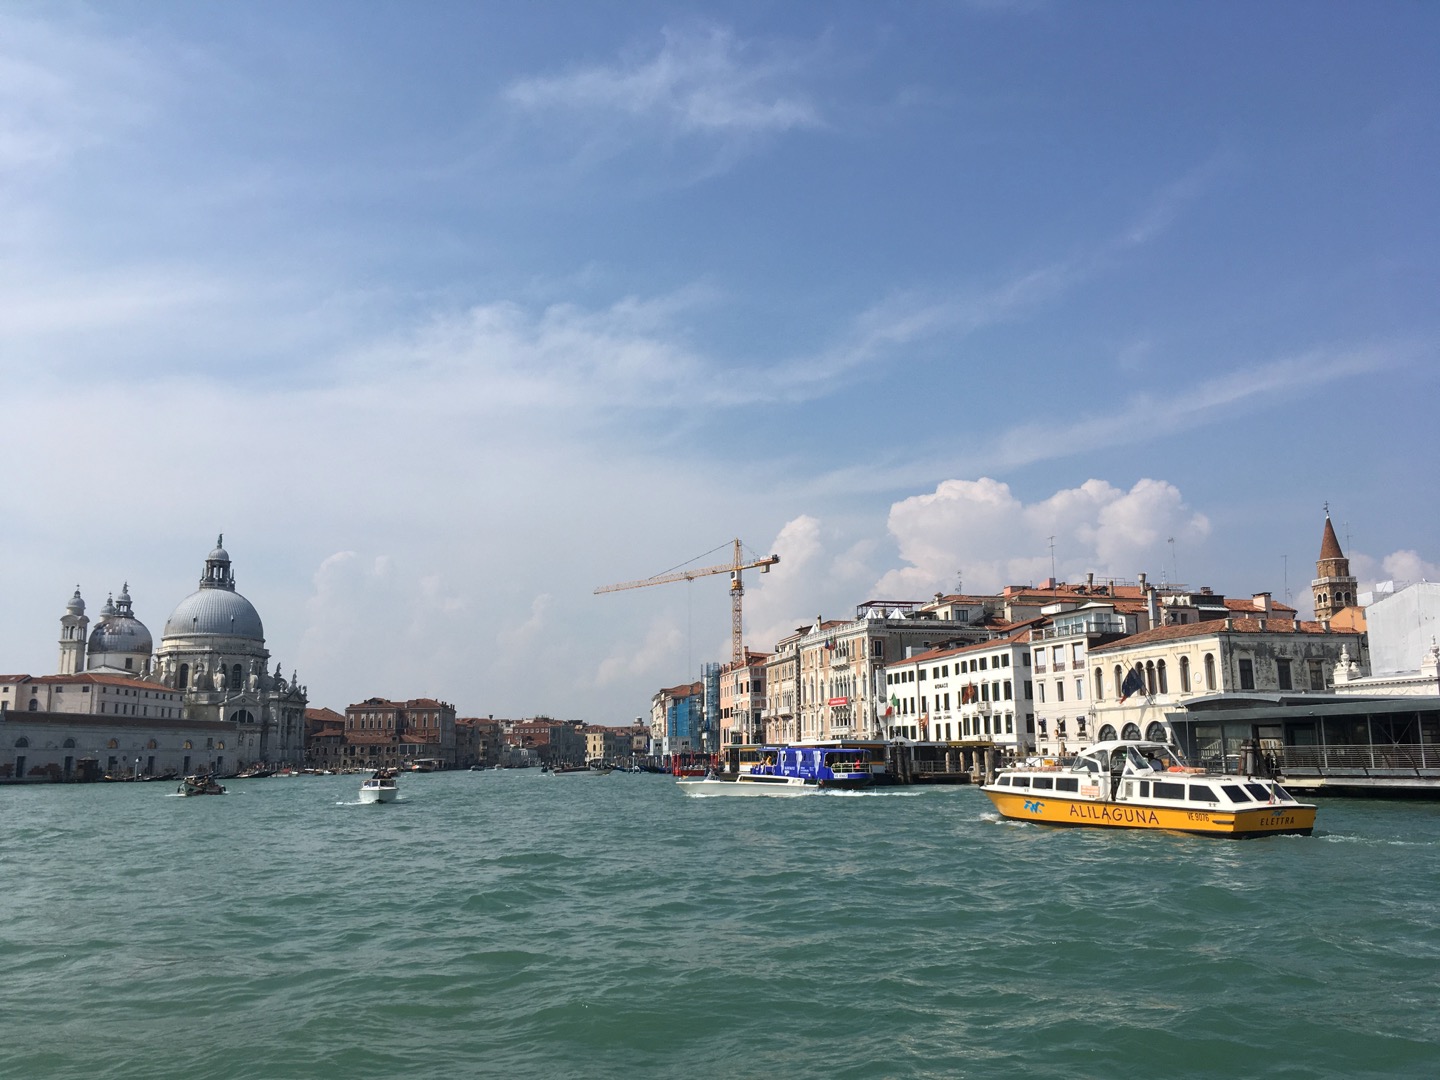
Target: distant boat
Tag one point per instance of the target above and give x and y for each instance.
(380, 787)
(199, 785)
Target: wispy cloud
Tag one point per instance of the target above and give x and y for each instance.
(63, 90)
(701, 80)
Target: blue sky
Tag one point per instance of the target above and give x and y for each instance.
(446, 314)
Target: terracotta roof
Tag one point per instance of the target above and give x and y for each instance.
(1238, 604)
(1022, 634)
(1329, 545)
(98, 679)
(1209, 628)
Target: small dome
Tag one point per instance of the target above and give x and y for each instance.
(120, 635)
(76, 606)
(219, 554)
(215, 612)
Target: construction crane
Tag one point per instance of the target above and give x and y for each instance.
(737, 590)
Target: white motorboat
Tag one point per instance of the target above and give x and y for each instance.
(380, 787)
(748, 784)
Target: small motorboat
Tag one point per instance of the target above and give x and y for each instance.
(379, 787)
(748, 784)
(199, 785)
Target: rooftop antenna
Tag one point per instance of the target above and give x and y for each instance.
(960, 582)
(1285, 575)
(1174, 566)
(1052, 562)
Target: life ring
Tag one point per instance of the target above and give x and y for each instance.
(1176, 768)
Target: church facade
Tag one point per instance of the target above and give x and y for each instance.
(204, 700)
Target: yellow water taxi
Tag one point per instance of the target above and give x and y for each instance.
(1129, 784)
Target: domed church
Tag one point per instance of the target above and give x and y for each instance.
(213, 650)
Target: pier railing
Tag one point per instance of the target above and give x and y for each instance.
(1411, 758)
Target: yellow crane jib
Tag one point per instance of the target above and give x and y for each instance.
(737, 589)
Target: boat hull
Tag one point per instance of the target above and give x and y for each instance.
(1259, 820)
(745, 785)
(379, 794)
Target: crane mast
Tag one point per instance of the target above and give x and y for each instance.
(737, 590)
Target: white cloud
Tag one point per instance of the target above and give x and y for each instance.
(515, 641)
(977, 535)
(658, 657)
(700, 81)
(1409, 566)
(62, 92)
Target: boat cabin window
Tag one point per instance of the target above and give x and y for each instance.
(1282, 794)
(1142, 788)
(1042, 783)
(1260, 791)
(1202, 793)
(1166, 790)
(1235, 793)
(1067, 783)
(1086, 764)
(1002, 781)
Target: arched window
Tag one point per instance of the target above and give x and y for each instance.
(34, 705)
(1149, 682)
(1119, 681)
(1155, 732)
(236, 678)
(151, 745)
(21, 743)
(184, 681)
(1099, 684)
(1209, 671)
(1130, 731)
(1160, 674)
(68, 744)
(113, 744)
(1184, 674)
(1105, 734)
(189, 745)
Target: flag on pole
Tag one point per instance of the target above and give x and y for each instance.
(1134, 683)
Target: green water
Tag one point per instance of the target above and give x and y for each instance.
(514, 924)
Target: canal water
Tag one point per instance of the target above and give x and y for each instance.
(513, 924)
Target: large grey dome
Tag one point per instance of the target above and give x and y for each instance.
(215, 611)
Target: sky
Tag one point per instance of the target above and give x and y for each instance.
(447, 314)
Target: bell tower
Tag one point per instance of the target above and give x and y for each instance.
(72, 635)
(1333, 589)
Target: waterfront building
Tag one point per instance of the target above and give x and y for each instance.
(213, 650)
(84, 725)
(782, 689)
(742, 700)
(971, 693)
(548, 740)
(380, 733)
(677, 719)
(210, 669)
(611, 744)
(1062, 719)
(478, 741)
(1225, 662)
(324, 739)
(841, 685)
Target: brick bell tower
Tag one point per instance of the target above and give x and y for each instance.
(1334, 589)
